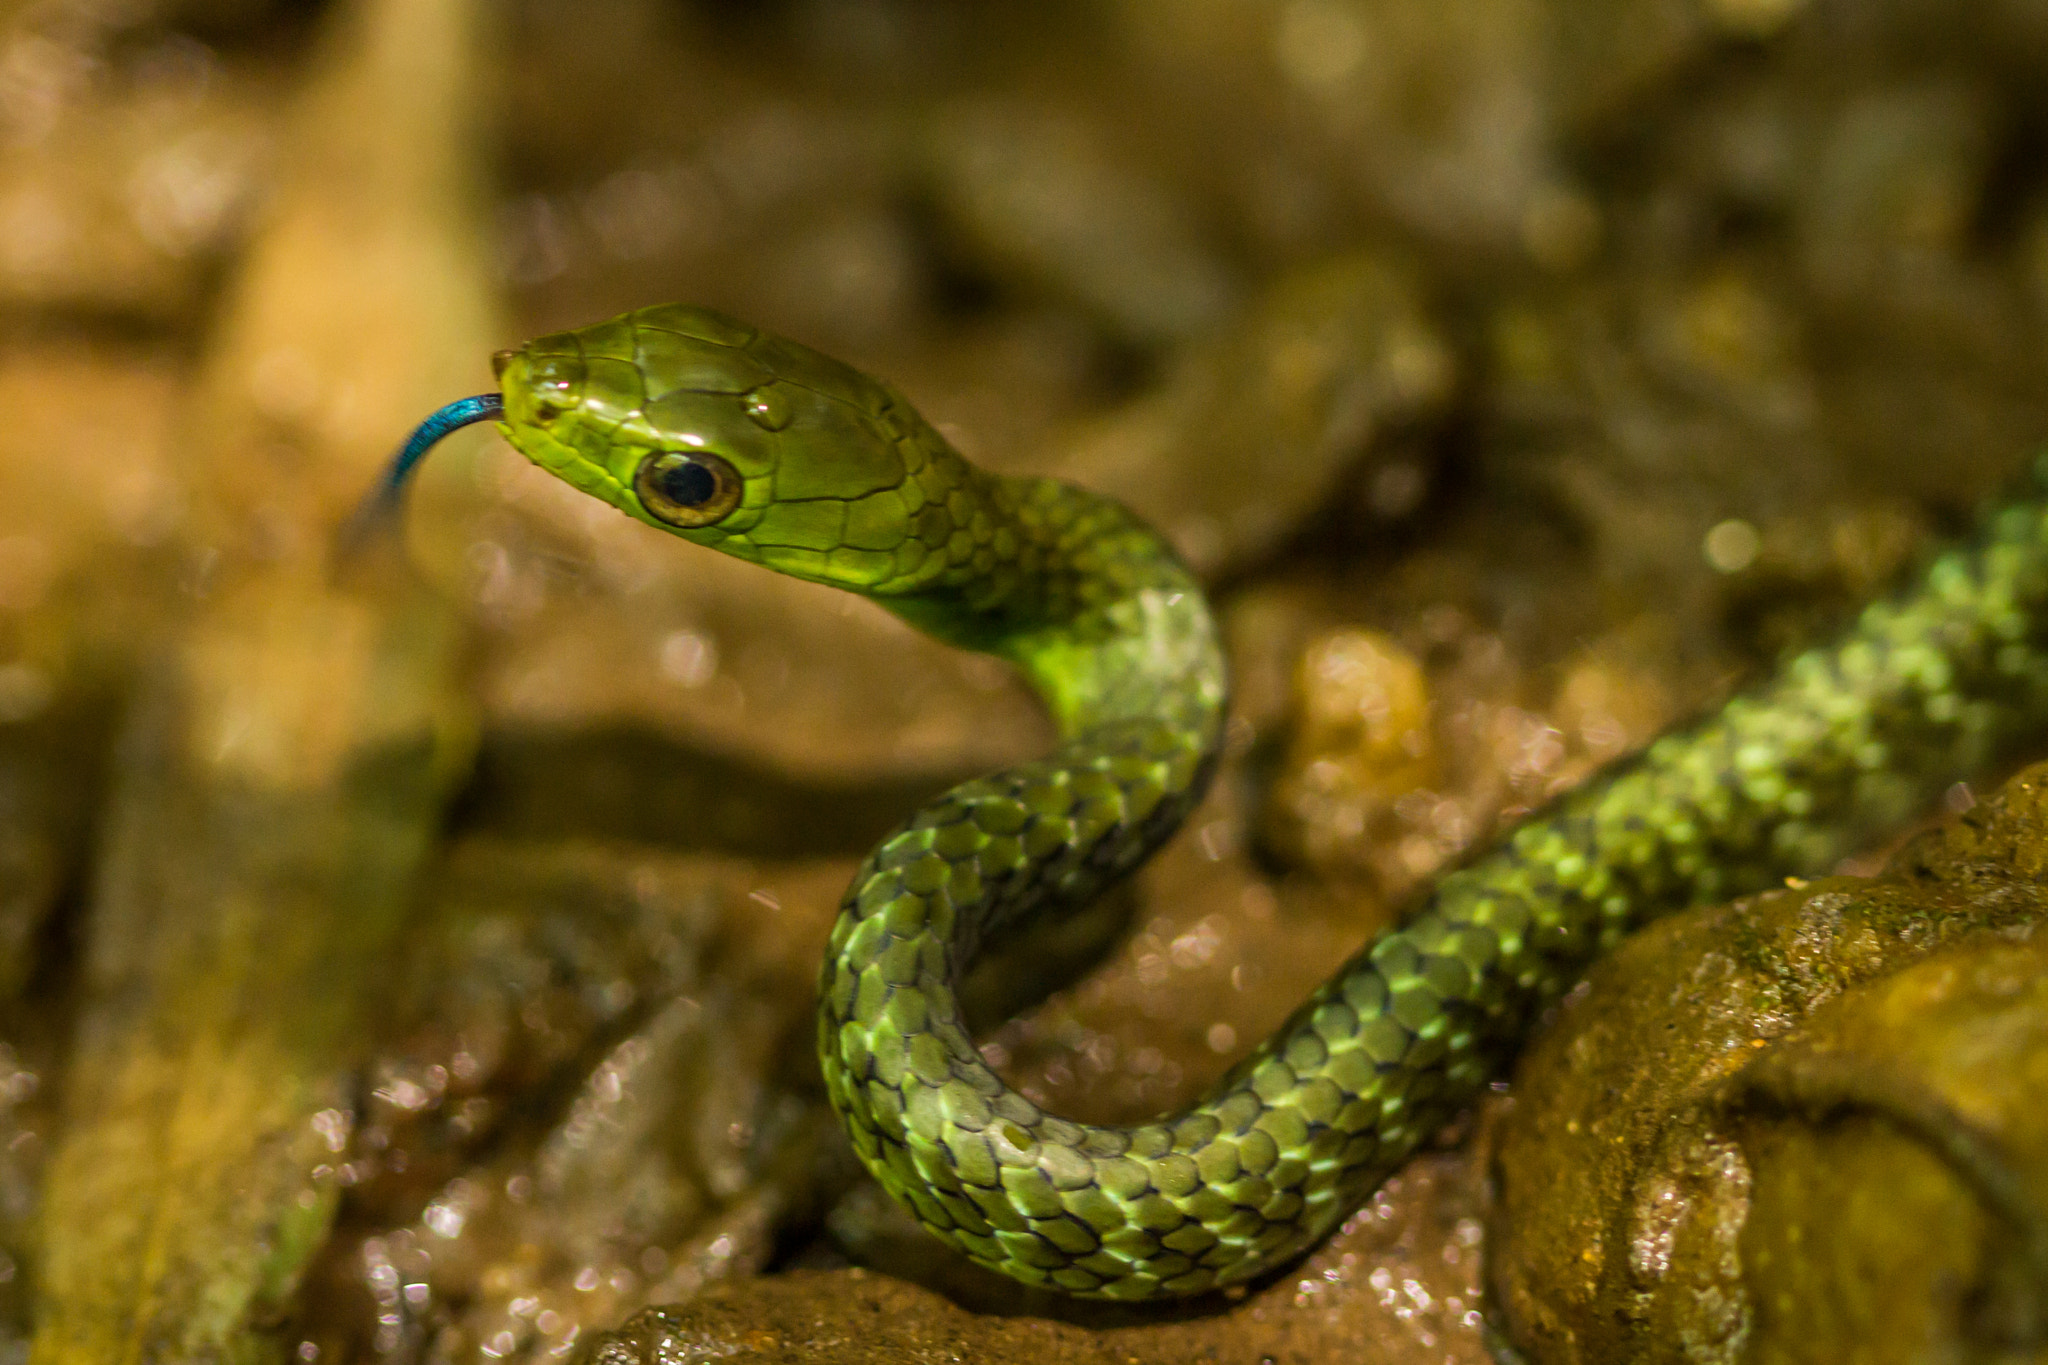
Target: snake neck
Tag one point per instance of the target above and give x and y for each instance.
(1090, 604)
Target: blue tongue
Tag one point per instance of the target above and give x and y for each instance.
(461, 413)
(385, 497)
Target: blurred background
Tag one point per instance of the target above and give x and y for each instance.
(415, 964)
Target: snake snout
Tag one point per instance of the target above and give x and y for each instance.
(554, 383)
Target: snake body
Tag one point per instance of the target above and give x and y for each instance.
(764, 449)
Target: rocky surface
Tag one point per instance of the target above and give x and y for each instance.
(1800, 1127)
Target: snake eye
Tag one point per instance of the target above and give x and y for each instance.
(687, 490)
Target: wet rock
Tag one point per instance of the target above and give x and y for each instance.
(1363, 741)
(1895, 175)
(1047, 199)
(1796, 1127)
(1612, 57)
(29, 1063)
(602, 1098)
(1437, 121)
(814, 687)
(625, 782)
(1644, 409)
(1392, 772)
(1395, 751)
(1880, 171)
(1258, 425)
(1398, 1283)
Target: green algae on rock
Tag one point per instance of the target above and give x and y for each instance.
(1801, 1127)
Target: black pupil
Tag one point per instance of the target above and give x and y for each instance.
(687, 484)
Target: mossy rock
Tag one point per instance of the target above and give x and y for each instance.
(1805, 1126)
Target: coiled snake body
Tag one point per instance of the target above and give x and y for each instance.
(766, 450)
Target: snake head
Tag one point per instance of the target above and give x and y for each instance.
(745, 442)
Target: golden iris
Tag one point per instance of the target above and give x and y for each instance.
(687, 490)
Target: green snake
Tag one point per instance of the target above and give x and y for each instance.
(769, 451)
